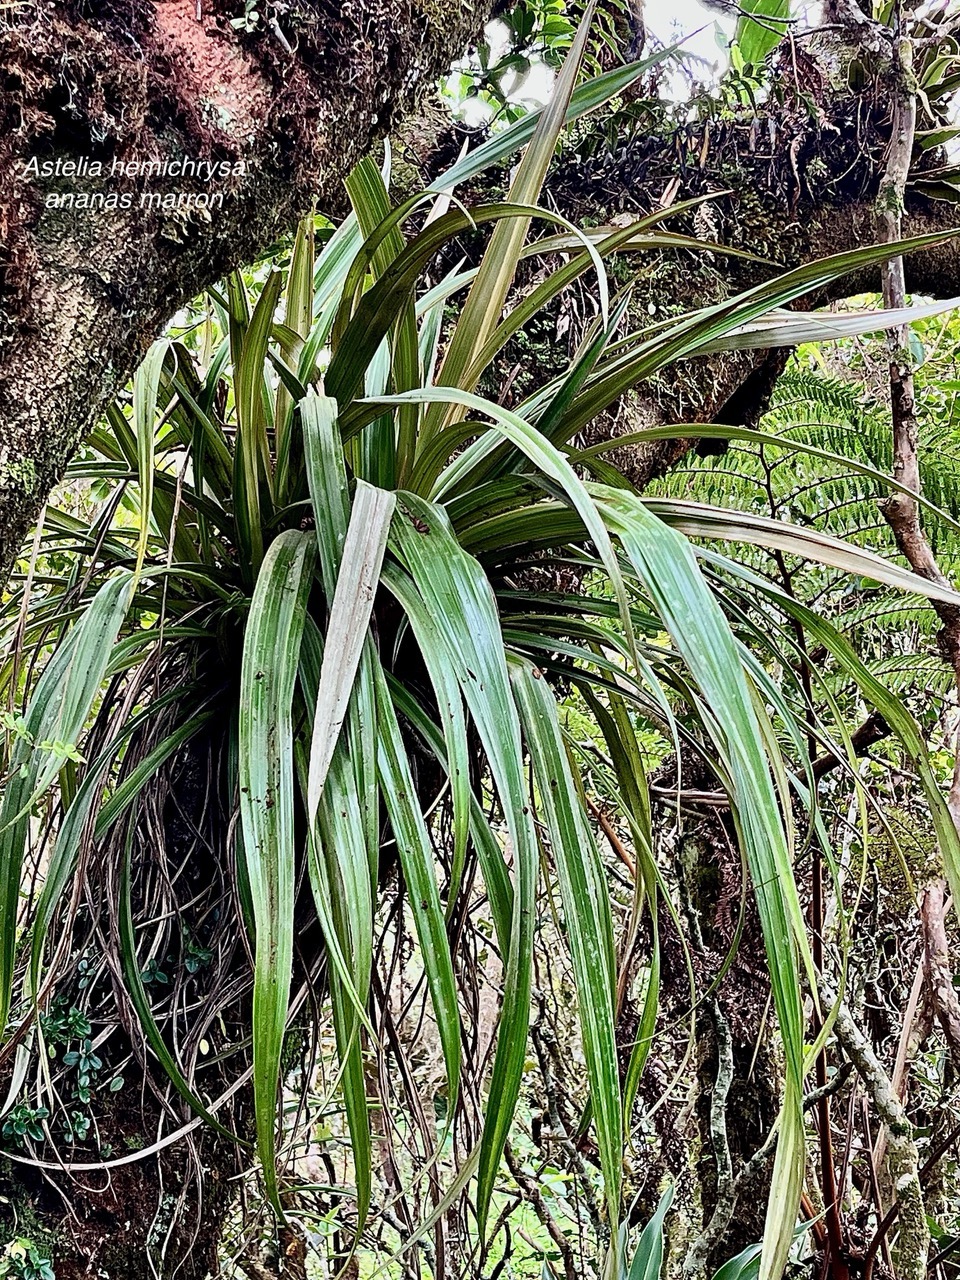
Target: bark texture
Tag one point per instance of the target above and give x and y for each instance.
(83, 292)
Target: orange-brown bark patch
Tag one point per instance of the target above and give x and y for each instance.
(225, 77)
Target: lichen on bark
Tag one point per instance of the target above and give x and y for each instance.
(83, 294)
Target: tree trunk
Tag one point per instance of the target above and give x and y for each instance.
(286, 113)
(156, 1216)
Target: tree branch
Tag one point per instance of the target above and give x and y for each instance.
(900, 510)
(902, 1156)
(936, 965)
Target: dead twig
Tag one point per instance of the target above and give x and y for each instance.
(532, 1193)
(936, 965)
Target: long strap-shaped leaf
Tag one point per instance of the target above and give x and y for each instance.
(146, 383)
(53, 722)
(368, 193)
(481, 311)
(298, 320)
(790, 328)
(417, 861)
(334, 263)
(618, 786)
(343, 895)
(350, 613)
(329, 493)
(486, 456)
(337, 854)
(767, 439)
(704, 521)
(648, 1259)
(379, 307)
(549, 462)
(343, 852)
(456, 591)
(327, 480)
(876, 695)
(450, 707)
(588, 97)
(665, 563)
(492, 865)
(640, 356)
(271, 653)
(586, 910)
(252, 469)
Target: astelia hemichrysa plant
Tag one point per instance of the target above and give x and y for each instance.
(284, 651)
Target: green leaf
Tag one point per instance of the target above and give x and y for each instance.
(791, 329)
(640, 356)
(456, 592)
(146, 383)
(488, 293)
(253, 470)
(456, 752)
(370, 199)
(586, 908)
(57, 713)
(876, 695)
(493, 868)
(718, 431)
(548, 461)
(666, 565)
(350, 612)
(417, 861)
(743, 1266)
(374, 314)
(589, 96)
(327, 479)
(268, 673)
(648, 1259)
(343, 882)
(757, 38)
(298, 319)
(704, 521)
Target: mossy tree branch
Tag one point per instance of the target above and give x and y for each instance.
(914, 1233)
(84, 291)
